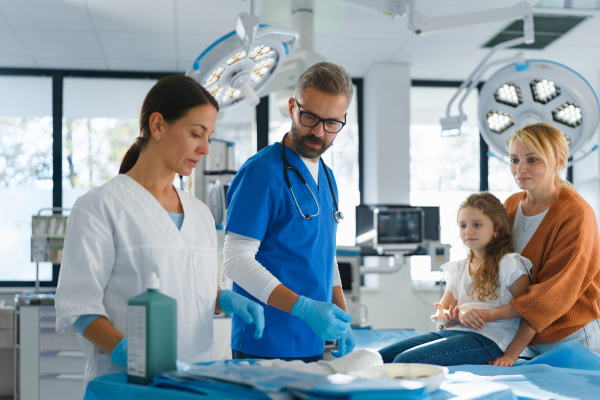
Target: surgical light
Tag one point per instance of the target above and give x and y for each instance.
(559, 96)
(498, 121)
(544, 90)
(509, 94)
(568, 114)
(240, 64)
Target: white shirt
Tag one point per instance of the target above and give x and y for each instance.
(524, 228)
(313, 167)
(460, 283)
(117, 234)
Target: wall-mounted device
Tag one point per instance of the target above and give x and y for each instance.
(213, 175)
(398, 228)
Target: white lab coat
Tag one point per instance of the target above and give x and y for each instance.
(117, 234)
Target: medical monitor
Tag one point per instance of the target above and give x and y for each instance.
(396, 227)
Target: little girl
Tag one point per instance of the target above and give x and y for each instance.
(489, 278)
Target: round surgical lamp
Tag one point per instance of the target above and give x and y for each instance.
(537, 91)
(240, 64)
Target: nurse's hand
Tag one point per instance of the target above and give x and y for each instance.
(345, 344)
(119, 353)
(250, 311)
(328, 321)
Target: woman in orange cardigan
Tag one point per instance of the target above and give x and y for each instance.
(555, 228)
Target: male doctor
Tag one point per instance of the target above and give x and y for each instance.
(281, 230)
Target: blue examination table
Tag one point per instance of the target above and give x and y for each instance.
(567, 372)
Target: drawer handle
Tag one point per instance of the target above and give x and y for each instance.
(47, 330)
(49, 376)
(47, 318)
(47, 308)
(49, 353)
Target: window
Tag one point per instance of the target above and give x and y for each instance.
(443, 170)
(342, 158)
(25, 171)
(238, 126)
(100, 123)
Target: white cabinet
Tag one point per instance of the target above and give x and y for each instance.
(50, 365)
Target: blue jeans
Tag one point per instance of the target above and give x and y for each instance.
(445, 347)
(238, 355)
(588, 336)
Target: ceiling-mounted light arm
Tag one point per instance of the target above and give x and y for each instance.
(420, 24)
(390, 8)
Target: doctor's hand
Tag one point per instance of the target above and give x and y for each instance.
(328, 321)
(250, 311)
(119, 353)
(345, 344)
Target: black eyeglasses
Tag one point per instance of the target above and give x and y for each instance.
(310, 121)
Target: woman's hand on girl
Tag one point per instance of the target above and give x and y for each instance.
(471, 318)
(503, 361)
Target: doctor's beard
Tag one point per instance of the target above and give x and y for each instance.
(301, 146)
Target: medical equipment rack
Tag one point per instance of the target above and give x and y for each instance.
(47, 238)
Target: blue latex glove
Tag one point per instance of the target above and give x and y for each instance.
(250, 311)
(345, 344)
(328, 321)
(119, 353)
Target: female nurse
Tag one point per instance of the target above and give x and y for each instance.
(555, 228)
(139, 223)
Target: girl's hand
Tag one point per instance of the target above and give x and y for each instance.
(471, 318)
(503, 361)
(439, 317)
(452, 316)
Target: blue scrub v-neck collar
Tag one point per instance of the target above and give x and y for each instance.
(295, 160)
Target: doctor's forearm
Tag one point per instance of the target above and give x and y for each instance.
(338, 298)
(283, 298)
(103, 335)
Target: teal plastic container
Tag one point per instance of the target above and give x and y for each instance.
(151, 334)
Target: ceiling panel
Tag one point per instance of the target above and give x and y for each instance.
(133, 15)
(140, 46)
(142, 65)
(360, 53)
(46, 14)
(11, 44)
(55, 43)
(17, 62)
(72, 63)
(209, 17)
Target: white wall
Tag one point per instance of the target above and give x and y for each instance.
(586, 173)
(386, 173)
(386, 177)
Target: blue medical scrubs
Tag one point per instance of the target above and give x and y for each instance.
(296, 251)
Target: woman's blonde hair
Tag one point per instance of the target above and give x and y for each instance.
(550, 145)
(486, 279)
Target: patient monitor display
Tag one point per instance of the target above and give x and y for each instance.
(398, 226)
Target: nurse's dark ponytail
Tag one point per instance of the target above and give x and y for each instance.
(172, 97)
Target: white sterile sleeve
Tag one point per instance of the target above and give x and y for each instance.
(337, 281)
(240, 265)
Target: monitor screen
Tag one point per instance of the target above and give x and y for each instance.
(399, 226)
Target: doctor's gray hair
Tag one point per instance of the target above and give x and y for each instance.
(172, 97)
(326, 77)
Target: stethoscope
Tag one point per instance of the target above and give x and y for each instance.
(337, 215)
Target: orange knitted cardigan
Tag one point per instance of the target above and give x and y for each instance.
(565, 252)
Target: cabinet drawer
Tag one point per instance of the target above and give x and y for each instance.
(48, 322)
(61, 387)
(7, 338)
(47, 311)
(62, 362)
(50, 340)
